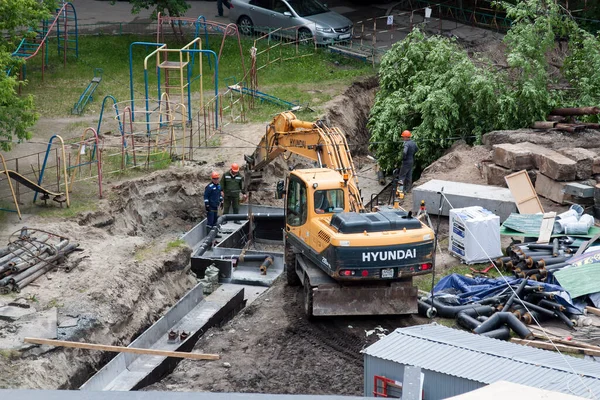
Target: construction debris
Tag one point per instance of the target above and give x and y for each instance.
(30, 254)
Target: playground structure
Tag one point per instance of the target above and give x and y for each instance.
(64, 24)
(87, 94)
(167, 125)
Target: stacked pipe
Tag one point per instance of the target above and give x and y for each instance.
(563, 119)
(29, 256)
(535, 261)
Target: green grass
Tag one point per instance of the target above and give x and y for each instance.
(289, 80)
(423, 282)
(175, 244)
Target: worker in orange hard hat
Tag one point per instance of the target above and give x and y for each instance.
(408, 160)
(232, 184)
(213, 197)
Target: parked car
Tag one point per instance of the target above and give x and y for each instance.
(314, 19)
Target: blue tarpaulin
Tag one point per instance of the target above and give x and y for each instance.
(471, 290)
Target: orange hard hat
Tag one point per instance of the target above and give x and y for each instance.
(235, 167)
(215, 175)
(406, 134)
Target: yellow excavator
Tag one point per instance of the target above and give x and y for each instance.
(350, 261)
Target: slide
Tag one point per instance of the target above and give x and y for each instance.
(30, 184)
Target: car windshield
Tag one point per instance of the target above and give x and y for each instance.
(306, 8)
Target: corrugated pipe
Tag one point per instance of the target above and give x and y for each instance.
(504, 318)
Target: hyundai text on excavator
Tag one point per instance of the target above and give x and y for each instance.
(350, 261)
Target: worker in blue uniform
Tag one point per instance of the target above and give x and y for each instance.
(212, 200)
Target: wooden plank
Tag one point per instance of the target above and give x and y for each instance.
(554, 347)
(566, 342)
(593, 310)
(547, 227)
(524, 193)
(121, 349)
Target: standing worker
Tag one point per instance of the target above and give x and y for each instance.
(213, 197)
(408, 160)
(232, 185)
(220, 7)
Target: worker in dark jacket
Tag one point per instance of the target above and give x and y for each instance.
(408, 160)
(232, 184)
(213, 197)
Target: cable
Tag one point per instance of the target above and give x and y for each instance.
(519, 298)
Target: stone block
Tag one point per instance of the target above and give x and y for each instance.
(596, 166)
(584, 159)
(512, 156)
(558, 167)
(551, 189)
(537, 152)
(494, 174)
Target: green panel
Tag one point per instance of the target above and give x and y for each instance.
(528, 225)
(580, 280)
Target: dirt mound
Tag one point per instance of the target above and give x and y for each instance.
(350, 112)
(461, 163)
(163, 201)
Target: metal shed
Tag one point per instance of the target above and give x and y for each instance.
(454, 362)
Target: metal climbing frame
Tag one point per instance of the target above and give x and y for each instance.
(64, 165)
(170, 112)
(95, 156)
(65, 18)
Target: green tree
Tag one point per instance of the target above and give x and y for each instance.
(172, 8)
(17, 114)
(431, 86)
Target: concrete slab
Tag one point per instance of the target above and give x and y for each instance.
(37, 324)
(193, 314)
(13, 313)
(493, 198)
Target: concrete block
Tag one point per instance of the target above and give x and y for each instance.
(584, 159)
(13, 313)
(493, 198)
(512, 156)
(494, 174)
(551, 189)
(558, 167)
(579, 190)
(537, 151)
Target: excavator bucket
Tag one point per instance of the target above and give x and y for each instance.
(395, 299)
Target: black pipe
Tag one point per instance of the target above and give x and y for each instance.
(501, 318)
(551, 305)
(555, 247)
(265, 265)
(537, 308)
(536, 246)
(536, 297)
(532, 316)
(502, 333)
(466, 321)
(564, 318)
(494, 300)
(554, 261)
(251, 257)
(426, 310)
(516, 294)
(447, 311)
(482, 318)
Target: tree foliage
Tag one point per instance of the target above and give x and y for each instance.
(172, 8)
(431, 86)
(17, 113)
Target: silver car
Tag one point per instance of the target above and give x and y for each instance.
(313, 19)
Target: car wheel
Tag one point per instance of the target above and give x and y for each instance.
(245, 25)
(305, 37)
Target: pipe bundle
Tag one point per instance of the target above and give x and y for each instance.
(32, 254)
(535, 261)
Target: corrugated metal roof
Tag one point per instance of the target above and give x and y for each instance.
(481, 359)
